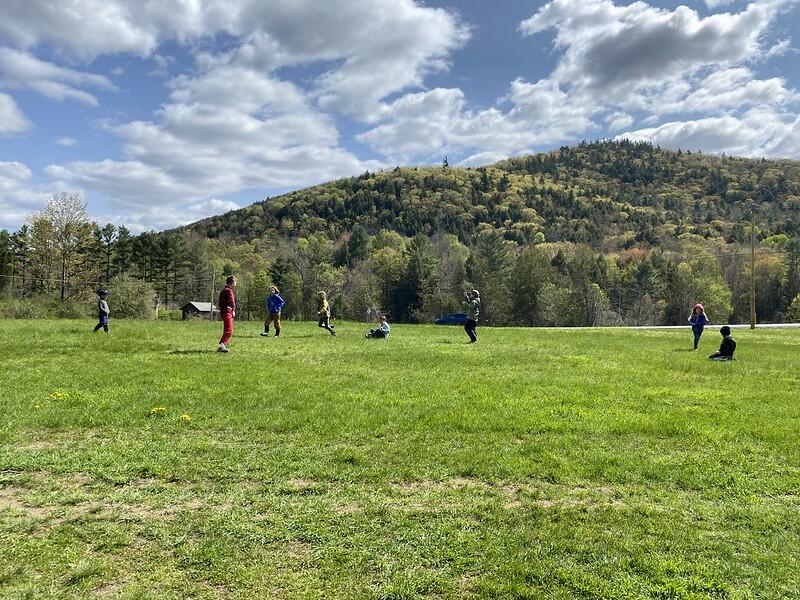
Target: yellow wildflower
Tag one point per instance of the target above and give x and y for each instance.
(158, 410)
(185, 417)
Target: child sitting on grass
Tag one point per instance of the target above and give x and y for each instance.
(382, 331)
(727, 347)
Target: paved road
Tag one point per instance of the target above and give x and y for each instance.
(712, 325)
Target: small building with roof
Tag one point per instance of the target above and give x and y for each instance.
(199, 310)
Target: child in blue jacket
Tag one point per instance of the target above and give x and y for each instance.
(274, 305)
(699, 320)
(382, 330)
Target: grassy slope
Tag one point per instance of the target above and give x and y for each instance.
(536, 463)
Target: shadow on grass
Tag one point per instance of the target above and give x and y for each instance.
(191, 351)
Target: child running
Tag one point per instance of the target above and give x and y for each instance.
(324, 313)
(227, 312)
(274, 305)
(382, 330)
(103, 311)
(473, 304)
(699, 320)
(727, 347)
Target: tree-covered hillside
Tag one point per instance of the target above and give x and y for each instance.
(610, 195)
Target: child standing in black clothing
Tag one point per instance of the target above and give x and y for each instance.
(727, 347)
(103, 311)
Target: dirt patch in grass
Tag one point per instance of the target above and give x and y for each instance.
(107, 590)
(37, 445)
(12, 498)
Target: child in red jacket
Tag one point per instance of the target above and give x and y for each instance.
(227, 311)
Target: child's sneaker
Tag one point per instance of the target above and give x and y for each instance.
(265, 334)
(222, 348)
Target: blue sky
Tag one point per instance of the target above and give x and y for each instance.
(162, 113)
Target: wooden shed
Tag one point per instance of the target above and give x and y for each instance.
(198, 310)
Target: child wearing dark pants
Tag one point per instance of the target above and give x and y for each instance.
(324, 313)
(727, 347)
(382, 331)
(473, 304)
(103, 311)
(699, 320)
(274, 306)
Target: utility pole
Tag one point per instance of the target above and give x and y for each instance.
(213, 289)
(752, 265)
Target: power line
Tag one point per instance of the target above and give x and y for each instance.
(24, 278)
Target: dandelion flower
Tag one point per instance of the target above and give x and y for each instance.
(185, 417)
(37, 406)
(158, 410)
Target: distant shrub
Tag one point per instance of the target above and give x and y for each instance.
(130, 298)
(70, 309)
(170, 315)
(793, 312)
(22, 308)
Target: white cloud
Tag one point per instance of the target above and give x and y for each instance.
(380, 46)
(67, 142)
(113, 26)
(712, 4)
(222, 131)
(618, 120)
(758, 132)
(438, 122)
(22, 70)
(615, 61)
(169, 217)
(12, 174)
(233, 124)
(20, 195)
(12, 120)
(618, 51)
(779, 49)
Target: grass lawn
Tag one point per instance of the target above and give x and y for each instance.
(535, 464)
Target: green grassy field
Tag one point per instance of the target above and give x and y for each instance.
(534, 464)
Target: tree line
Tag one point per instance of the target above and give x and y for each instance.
(599, 234)
(62, 256)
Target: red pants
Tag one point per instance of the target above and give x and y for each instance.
(227, 327)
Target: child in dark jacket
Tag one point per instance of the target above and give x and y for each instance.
(473, 306)
(103, 311)
(727, 347)
(699, 320)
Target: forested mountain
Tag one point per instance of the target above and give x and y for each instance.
(601, 233)
(610, 195)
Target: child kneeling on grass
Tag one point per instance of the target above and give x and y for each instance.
(382, 331)
(727, 347)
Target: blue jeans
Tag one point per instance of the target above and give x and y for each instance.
(697, 330)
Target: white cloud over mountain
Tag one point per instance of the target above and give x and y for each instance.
(239, 117)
